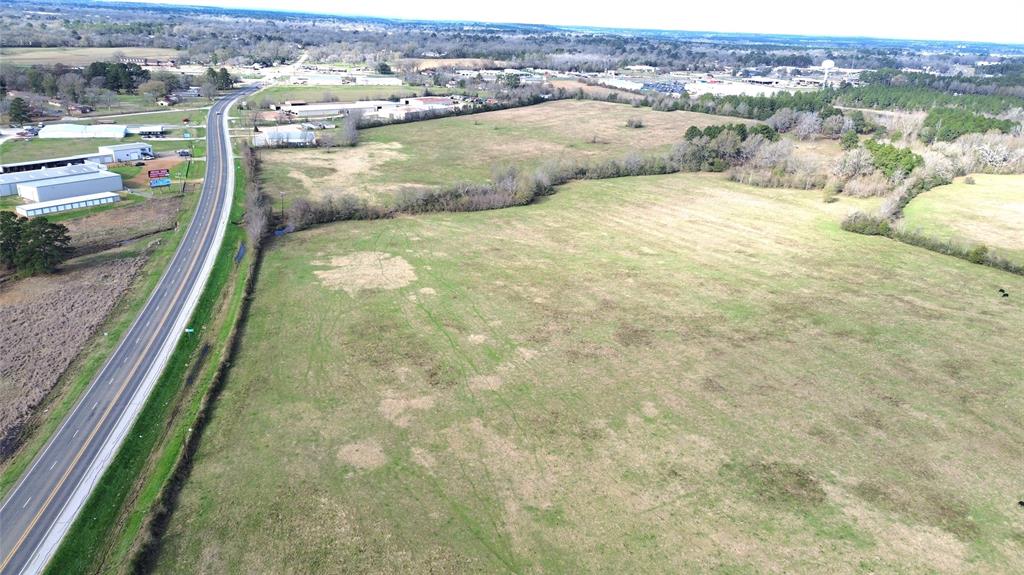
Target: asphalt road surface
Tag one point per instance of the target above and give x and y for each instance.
(39, 510)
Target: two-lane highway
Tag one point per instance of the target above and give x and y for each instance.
(39, 510)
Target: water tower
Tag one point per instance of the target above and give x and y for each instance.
(827, 65)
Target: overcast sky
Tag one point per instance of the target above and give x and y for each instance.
(992, 21)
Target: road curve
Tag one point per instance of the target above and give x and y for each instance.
(39, 510)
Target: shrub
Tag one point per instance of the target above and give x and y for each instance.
(969, 180)
(861, 223)
(849, 140)
(891, 159)
(634, 123)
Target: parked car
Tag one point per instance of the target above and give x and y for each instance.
(138, 164)
(184, 153)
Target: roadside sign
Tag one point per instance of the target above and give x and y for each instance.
(186, 135)
(161, 173)
(159, 182)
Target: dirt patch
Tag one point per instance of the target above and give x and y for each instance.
(485, 382)
(104, 230)
(362, 455)
(365, 271)
(398, 410)
(47, 321)
(141, 180)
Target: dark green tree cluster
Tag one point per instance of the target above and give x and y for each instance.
(948, 124)
(919, 98)
(998, 77)
(117, 76)
(32, 246)
(762, 107)
(741, 130)
(890, 159)
(220, 78)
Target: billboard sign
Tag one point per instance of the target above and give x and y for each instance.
(162, 173)
(159, 182)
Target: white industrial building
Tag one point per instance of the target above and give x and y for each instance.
(83, 131)
(9, 182)
(70, 186)
(128, 152)
(378, 81)
(148, 130)
(304, 110)
(284, 136)
(65, 204)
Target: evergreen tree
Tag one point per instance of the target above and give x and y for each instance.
(19, 111)
(42, 246)
(224, 80)
(10, 235)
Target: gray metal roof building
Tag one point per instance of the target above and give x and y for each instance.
(9, 182)
(68, 186)
(98, 157)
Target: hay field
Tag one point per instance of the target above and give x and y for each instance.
(664, 374)
(79, 56)
(990, 212)
(469, 148)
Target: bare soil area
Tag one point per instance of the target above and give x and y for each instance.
(104, 230)
(141, 180)
(46, 322)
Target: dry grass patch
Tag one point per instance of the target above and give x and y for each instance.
(365, 271)
(362, 455)
(468, 148)
(990, 212)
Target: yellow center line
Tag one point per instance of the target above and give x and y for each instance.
(106, 413)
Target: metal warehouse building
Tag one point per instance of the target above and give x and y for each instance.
(98, 158)
(128, 152)
(9, 182)
(63, 205)
(83, 131)
(69, 186)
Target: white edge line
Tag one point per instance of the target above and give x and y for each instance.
(69, 512)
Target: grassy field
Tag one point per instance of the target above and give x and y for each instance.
(171, 117)
(41, 148)
(348, 93)
(644, 375)
(989, 212)
(468, 148)
(78, 56)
